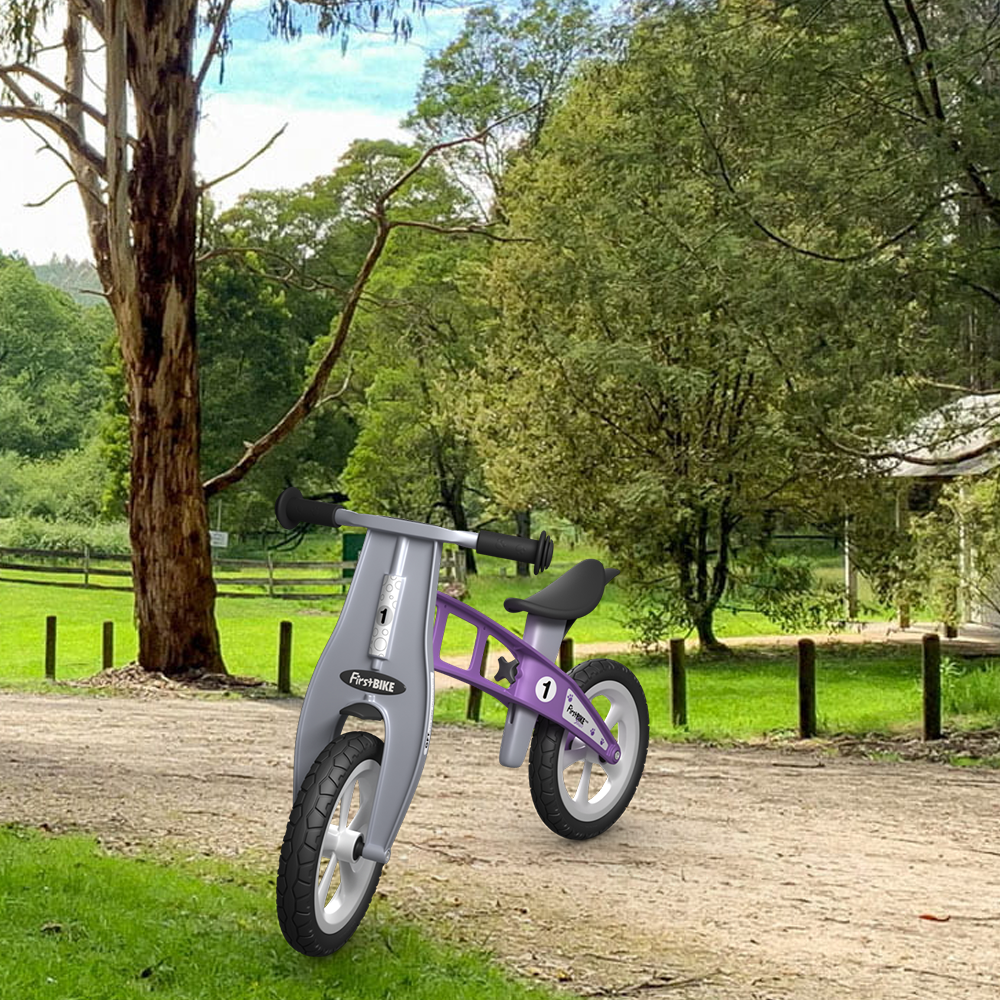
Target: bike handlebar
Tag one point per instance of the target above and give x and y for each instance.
(517, 548)
(292, 507)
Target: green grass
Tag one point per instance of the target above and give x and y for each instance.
(76, 922)
(249, 628)
(971, 689)
(748, 695)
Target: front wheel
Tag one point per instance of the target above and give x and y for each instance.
(576, 794)
(324, 886)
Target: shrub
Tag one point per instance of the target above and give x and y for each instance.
(972, 689)
(38, 533)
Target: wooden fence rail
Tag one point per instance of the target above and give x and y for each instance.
(271, 583)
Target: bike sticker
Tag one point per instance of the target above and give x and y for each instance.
(385, 614)
(545, 689)
(369, 680)
(578, 717)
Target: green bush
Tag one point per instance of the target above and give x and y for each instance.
(971, 689)
(39, 533)
(69, 486)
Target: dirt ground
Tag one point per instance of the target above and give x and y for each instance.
(737, 875)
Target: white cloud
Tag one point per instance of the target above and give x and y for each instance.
(234, 129)
(328, 101)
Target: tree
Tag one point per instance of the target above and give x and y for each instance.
(661, 356)
(49, 353)
(140, 196)
(412, 458)
(510, 67)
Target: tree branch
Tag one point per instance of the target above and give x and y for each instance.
(306, 281)
(202, 188)
(60, 127)
(213, 46)
(64, 95)
(38, 204)
(313, 393)
(93, 11)
(805, 251)
(87, 178)
(438, 147)
(904, 52)
(455, 230)
(936, 110)
(901, 456)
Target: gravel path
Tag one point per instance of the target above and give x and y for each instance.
(734, 875)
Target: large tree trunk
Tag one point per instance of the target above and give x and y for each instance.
(153, 298)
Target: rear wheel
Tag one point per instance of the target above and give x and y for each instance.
(324, 886)
(576, 794)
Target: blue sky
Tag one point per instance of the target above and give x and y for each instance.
(326, 99)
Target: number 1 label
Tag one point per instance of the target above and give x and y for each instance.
(545, 689)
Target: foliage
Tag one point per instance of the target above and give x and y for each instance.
(68, 487)
(508, 66)
(971, 688)
(737, 271)
(41, 533)
(49, 348)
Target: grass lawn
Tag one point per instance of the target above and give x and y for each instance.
(76, 922)
(249, 628)
(751, 694)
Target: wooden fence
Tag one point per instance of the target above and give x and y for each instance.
(92, 568)
(930, 674)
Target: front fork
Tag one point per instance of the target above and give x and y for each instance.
(377, 664)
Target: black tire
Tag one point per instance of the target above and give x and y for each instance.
(548, 792)
(302, 850)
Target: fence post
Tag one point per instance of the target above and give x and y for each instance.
(285, 658)
(270, 574)
(108, 646)
(474, 707)
(50, 648)
(566, 655)
(86, 565)
(678, 684)
(807, 689)
(932, 686)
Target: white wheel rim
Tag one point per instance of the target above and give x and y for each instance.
(581, 791)
(341, 883)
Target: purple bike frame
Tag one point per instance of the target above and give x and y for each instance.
(566, 704)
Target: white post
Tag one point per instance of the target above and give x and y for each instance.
(850, 574)
(903, 525)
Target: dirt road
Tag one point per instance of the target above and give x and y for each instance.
(738, 875)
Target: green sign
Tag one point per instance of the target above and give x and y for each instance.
(352, 549)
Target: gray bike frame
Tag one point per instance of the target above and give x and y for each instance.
(385, 628)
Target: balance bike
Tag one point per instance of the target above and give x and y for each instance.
(352, 790)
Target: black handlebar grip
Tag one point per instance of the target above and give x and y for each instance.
(292, 507)
(516, 548)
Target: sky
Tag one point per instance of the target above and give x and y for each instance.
(327, 100)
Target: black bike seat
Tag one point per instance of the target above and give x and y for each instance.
(575, 594)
